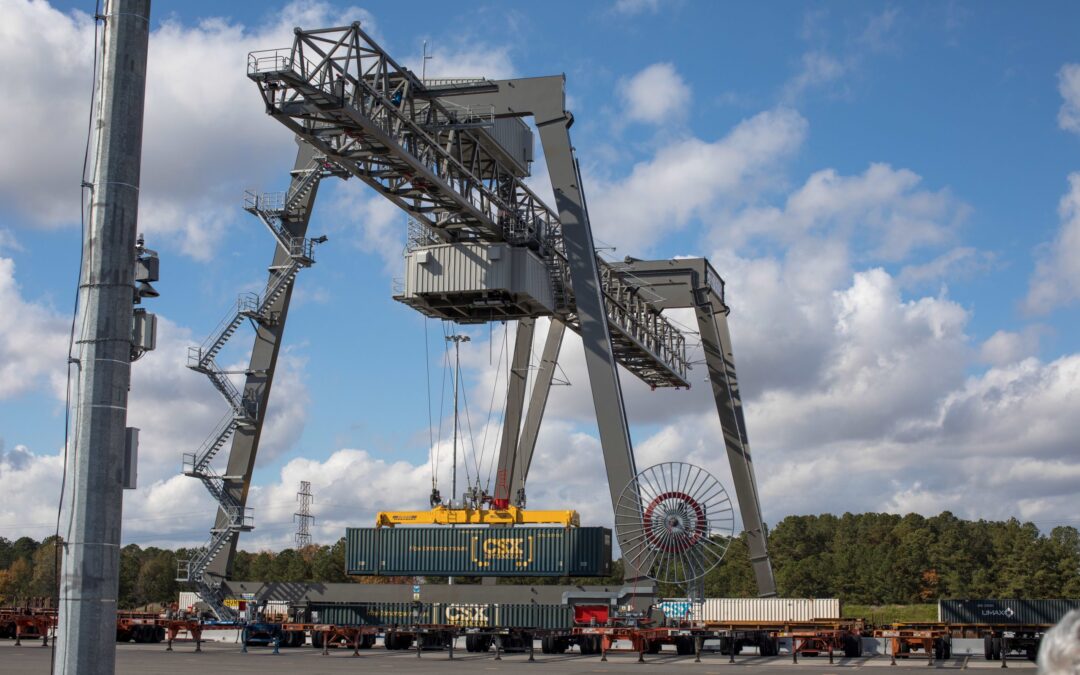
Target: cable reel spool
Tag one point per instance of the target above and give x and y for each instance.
(678, 521)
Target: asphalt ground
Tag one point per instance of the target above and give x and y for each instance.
(226, 657)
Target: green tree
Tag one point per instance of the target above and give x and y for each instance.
(44, 579)
(130, 562)
(18, 581)
(156, 581)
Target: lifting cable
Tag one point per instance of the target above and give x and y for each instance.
(502, 427)
(491, 406)
(472, 440)
(442, 409)
(432, 449)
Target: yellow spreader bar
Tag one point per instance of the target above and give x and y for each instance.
(511, 515)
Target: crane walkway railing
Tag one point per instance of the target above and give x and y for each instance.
(340, 92)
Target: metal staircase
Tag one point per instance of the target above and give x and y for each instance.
(275, 211)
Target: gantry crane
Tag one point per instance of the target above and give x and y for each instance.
(453, 154)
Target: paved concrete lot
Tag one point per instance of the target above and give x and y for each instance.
(221, 657)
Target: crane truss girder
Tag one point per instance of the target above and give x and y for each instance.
(340, 92)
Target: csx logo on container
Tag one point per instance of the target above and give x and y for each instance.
(467, 615)
(503, 549)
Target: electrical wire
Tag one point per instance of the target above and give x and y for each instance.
(506, 397)
(431, 430)
(83, 207)
(491, 409)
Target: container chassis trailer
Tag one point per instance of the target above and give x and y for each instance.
(1000, 641)
(143, 627)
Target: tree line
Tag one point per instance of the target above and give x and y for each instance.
(869, 558)
(880, 558)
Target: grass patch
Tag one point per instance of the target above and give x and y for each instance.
(886, 614)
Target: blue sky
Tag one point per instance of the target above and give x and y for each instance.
(880, 184)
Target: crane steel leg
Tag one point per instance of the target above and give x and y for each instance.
(716, 341)
(537, 403)
(545, 99)
(595, 337)
(515, 401)
(260, 376)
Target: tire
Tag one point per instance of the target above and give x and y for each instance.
(585, 645)
(939, 649)
(996, 642)
(988, 648)
(852, 646)
(684, 646)
(367, 640)
(768, 646)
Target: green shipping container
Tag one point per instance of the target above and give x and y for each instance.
(1005, 611)
(373, 613)
(462, 615)
(479, 551)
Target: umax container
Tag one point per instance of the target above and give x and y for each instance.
(1005, 611)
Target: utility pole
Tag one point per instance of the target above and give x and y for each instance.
(303, 517)
(89, 578)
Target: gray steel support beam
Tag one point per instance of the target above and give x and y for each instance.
(544, 98)
(692, 282)
(720, 360)
(515, 401)
(588, 294)
(537, 404)
(89, 578)
(261, 366)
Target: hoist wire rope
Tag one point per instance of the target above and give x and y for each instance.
(491, 408)
(432, 450)
(442, 407)
(472, 439)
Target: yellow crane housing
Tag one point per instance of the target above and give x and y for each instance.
(511, 515)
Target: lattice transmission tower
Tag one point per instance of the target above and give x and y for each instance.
(303, 517)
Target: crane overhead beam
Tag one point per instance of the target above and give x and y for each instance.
(340, 92)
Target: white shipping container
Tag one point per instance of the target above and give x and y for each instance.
(762, 609)
(187, 600)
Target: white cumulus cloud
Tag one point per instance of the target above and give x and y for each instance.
(1069, 87)
(657, 95)
(1056, 280)
(687, 178)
